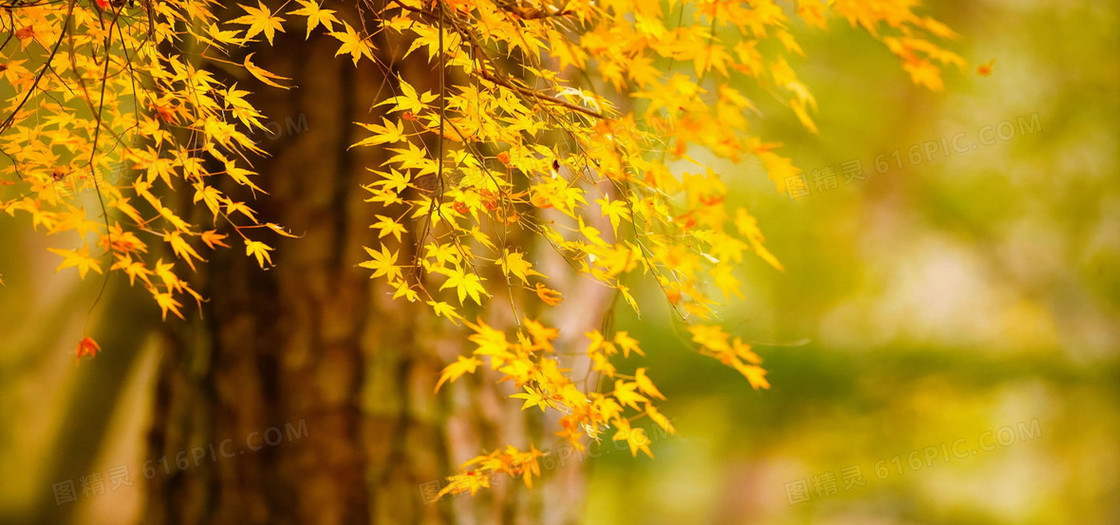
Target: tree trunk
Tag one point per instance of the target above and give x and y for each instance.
(305, 393)
(303, 388)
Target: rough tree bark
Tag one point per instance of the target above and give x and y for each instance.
(286, 346)
(315, 344)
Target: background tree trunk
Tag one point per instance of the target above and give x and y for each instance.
(286, 346)
(313, 343)
(305, 393)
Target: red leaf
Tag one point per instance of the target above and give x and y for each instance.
(87, 346)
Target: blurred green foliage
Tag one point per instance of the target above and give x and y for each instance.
(923, 306)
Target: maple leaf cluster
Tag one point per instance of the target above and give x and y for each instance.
(566, 130)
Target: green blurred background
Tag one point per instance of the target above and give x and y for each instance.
(942, 347)
(922, 306)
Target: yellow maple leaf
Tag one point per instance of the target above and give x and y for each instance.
(316, 16)
(755, 374)
(659, 418)
(182, 248)
(515, 264)
(79, 259)
(260, 251)
(167, 303)
(443, 309)
(465, 284)
(635, 438)
(382, 263)
(352, 43)
(645, 385)
(533, 398)
(260, 20)
(625, 393)
(388, 225)
(627, 344)
(462, 365)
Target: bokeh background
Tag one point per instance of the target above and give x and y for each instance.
(921, 307)
(942, 346)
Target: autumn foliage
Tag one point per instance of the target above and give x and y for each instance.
(577, 130)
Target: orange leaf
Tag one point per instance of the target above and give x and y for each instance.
(212, 238)
(87, 346)
(986, 69)
(549, 296)
(262, 75)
